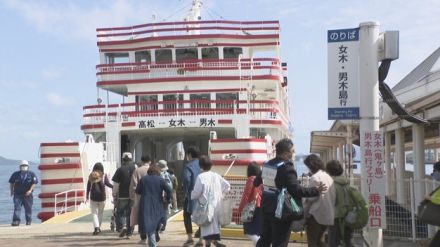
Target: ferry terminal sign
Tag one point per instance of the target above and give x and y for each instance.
(343, 74)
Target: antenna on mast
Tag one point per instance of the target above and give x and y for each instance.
(194, 15)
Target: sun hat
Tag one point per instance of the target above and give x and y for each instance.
(162, 164)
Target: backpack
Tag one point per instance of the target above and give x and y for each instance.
(357, 213)
(167, 177)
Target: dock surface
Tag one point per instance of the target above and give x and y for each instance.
(79, 233)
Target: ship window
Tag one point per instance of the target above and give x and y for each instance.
(172, 101)
(143, 57)
(164, 56)
(232, 52)
(111, 58)
(147, 102)
(200, 100)
(186, 54)
(226, 100)
(210, 53)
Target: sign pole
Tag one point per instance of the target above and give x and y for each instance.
(369, 109)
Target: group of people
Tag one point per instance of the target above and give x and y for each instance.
(322, 200)
(142, 194)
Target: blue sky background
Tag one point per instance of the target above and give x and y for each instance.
(49, 52)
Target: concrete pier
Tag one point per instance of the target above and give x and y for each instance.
(78, 232)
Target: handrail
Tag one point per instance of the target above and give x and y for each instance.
(119, 33)
(65, 207)
(189, 22)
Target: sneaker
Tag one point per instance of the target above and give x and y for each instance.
(188, 242)
(199, 244)
(143, 242)
(123, 233)
(28, 223)
(15, 223)
(218, 244)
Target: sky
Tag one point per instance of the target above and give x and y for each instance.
(49, 51)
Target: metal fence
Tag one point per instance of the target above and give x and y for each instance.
(402, 221)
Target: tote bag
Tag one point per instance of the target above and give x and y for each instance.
(203, 212)
(226, 212)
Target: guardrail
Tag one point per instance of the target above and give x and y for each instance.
(190, 68)
(186, 27)
(66, 202)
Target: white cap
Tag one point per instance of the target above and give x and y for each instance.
(127, 155)
(24, 163)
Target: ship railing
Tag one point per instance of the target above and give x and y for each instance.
(260, 109)
(243, 28)
(190, 68)
(63, 203)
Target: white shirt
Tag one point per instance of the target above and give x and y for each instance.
(210, 181)
(322, 207)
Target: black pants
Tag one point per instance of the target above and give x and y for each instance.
(335, 237)
(435, 242)
(187, 218)
(123, 214)
(315, 232)
(274, 231)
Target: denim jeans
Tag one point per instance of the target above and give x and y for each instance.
(151, 239)
(26, 202)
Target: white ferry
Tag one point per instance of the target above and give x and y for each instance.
(219, 85)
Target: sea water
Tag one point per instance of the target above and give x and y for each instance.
(6, 203)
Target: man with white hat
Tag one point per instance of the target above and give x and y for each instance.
(22, 183)
(121, 188)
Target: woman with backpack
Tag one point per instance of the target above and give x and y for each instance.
(96, 193)
(339, 233)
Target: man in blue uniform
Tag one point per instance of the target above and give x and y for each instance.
(22, 183)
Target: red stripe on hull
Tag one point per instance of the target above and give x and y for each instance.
(58, 144)
(59, 166)
(277, 122)
(236, 163)
(52, 155)
(43, 216)
(61, 181)
(238, 140)
(60, 204)
(52, 194)
(92, 126)
(224, 121)
(239, 151)
(129, 124)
